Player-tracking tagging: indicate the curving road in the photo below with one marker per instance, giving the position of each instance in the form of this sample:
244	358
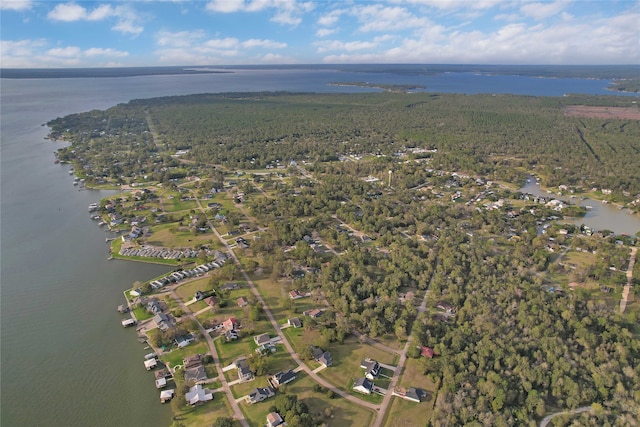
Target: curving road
546	420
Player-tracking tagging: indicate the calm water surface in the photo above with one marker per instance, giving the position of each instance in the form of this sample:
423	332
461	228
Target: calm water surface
600	217
66	361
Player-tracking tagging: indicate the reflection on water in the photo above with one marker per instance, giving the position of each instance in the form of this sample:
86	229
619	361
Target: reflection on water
600	216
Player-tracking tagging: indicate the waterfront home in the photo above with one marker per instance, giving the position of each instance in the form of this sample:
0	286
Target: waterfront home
363	385
166	395
192	361
128	322
163	322
149	364
259	394
198	395
274	419
195	374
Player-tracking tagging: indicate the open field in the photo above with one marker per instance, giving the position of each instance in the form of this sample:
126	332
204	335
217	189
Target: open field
206	414
625	113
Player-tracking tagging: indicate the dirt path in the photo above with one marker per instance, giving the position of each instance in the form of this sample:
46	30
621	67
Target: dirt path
627	288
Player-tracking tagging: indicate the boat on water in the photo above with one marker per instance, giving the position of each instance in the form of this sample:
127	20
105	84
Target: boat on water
93	207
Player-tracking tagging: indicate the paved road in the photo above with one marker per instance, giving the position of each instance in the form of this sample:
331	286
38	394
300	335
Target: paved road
627	288
237	413
400	367
548	418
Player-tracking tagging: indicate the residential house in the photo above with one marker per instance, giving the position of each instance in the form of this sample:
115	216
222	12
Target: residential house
371	368
242	302
162	321
266	349
200	295
295	294
415	394
154	306
295	322
184	340
229	287
192	361
325	359
274	419
283	378
231	335
244	373
259	394
211	301
229	324
363	385
198	395
262	339
315	313
195	374
426	352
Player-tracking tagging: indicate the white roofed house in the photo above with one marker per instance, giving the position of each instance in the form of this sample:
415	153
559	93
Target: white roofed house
363	385
197	395
371	368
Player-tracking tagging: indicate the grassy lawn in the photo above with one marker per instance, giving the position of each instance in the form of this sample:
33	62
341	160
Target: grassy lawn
299	338
141	314
403	413
346	361
579	258
412	376
230	351
342	412
207	413
188	290
175	357
175	236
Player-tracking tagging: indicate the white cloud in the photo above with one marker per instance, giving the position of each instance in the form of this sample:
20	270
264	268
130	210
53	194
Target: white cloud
330	18
125	16
323	32
266	44
180	38
287	12
35	53
337	45
226	6
68	12
542	11
376	17
112	53
15	4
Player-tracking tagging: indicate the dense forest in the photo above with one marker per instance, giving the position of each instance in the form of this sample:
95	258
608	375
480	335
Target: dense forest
499	137
314	169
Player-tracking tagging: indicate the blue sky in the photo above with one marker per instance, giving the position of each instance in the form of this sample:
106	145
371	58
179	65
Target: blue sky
229	32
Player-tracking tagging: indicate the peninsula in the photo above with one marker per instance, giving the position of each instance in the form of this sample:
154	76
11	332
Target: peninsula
368	259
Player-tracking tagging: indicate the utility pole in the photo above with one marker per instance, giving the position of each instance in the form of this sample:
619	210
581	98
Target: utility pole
390	172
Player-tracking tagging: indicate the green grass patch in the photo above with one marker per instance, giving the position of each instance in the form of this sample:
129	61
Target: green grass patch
141	313
174	357
404	413
206	414
347	358
187	290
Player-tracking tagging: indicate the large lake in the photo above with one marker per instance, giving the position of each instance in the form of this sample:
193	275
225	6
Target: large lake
66	361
